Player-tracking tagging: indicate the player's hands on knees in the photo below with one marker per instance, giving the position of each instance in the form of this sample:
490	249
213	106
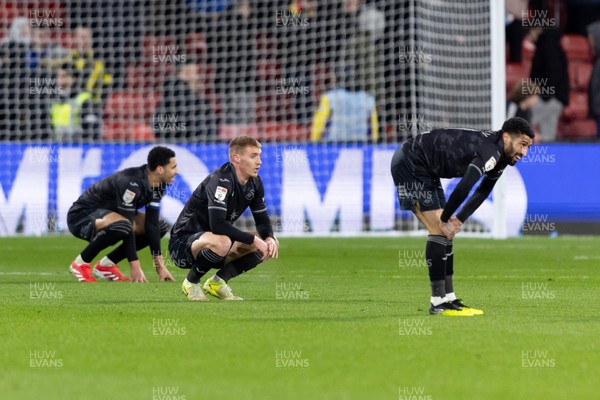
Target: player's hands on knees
273	245
450	228
262	247
137	275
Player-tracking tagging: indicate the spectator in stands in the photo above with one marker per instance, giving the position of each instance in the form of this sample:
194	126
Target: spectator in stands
23	107
549	71
345	114
235	53
361	51
93	76
522	98
514	28
183	111
45	53
72	112
296	30
594	90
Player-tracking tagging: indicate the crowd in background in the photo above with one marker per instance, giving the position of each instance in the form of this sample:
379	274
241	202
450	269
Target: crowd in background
338	58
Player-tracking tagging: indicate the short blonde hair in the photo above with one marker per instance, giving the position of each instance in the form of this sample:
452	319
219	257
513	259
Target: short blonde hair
238	144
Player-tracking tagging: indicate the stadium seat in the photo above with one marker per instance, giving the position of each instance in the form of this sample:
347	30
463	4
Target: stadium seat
578	129
579	75
54	7
229	131
271	131
196	45
127	115
265	45
274	107
8	11
147	75
515	72
578	106
576	47
127	131
277	131
267	72
153	45
130	105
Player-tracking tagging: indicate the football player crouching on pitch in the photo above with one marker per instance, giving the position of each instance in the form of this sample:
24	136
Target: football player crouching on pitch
204	236
107	213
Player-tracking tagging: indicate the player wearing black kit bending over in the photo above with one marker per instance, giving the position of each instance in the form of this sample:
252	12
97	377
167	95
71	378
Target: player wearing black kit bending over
449	153
107	213
204	236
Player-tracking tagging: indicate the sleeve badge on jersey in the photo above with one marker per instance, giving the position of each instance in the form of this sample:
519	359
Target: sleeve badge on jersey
490	164
220	194
128	196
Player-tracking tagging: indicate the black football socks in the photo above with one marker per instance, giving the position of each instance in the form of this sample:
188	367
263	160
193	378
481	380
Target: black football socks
435	254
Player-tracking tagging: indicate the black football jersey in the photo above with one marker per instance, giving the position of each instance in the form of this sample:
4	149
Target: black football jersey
220	190
123	192
447	153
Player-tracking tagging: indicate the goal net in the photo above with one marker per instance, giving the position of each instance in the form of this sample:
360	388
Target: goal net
331	89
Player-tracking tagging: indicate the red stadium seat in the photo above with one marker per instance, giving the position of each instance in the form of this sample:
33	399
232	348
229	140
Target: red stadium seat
265	45
516	72
127	115
579	74
229	131
55	9
267	72
269	131
274	107
8	11
578	106
283	131
131	106
158	46
147	75
576	47
578	129
196	45
129	131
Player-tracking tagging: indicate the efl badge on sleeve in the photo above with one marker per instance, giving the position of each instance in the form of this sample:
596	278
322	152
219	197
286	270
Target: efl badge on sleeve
128	196
490	164
220	194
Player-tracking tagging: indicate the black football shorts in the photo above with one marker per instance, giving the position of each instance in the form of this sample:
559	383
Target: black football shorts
180	249
81	221
414	185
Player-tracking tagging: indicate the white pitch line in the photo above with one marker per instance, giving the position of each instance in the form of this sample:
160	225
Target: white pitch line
584	257
29	273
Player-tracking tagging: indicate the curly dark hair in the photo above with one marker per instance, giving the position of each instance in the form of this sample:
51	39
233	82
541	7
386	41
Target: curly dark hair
518	126
159	156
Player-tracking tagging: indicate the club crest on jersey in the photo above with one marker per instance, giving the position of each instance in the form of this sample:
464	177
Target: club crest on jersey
490	164
250	194
220	194
128	196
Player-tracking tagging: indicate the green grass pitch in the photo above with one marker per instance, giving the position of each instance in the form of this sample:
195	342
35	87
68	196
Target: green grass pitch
331	319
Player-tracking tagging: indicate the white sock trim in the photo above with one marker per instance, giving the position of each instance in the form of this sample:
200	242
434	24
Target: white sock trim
437	300
106	262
